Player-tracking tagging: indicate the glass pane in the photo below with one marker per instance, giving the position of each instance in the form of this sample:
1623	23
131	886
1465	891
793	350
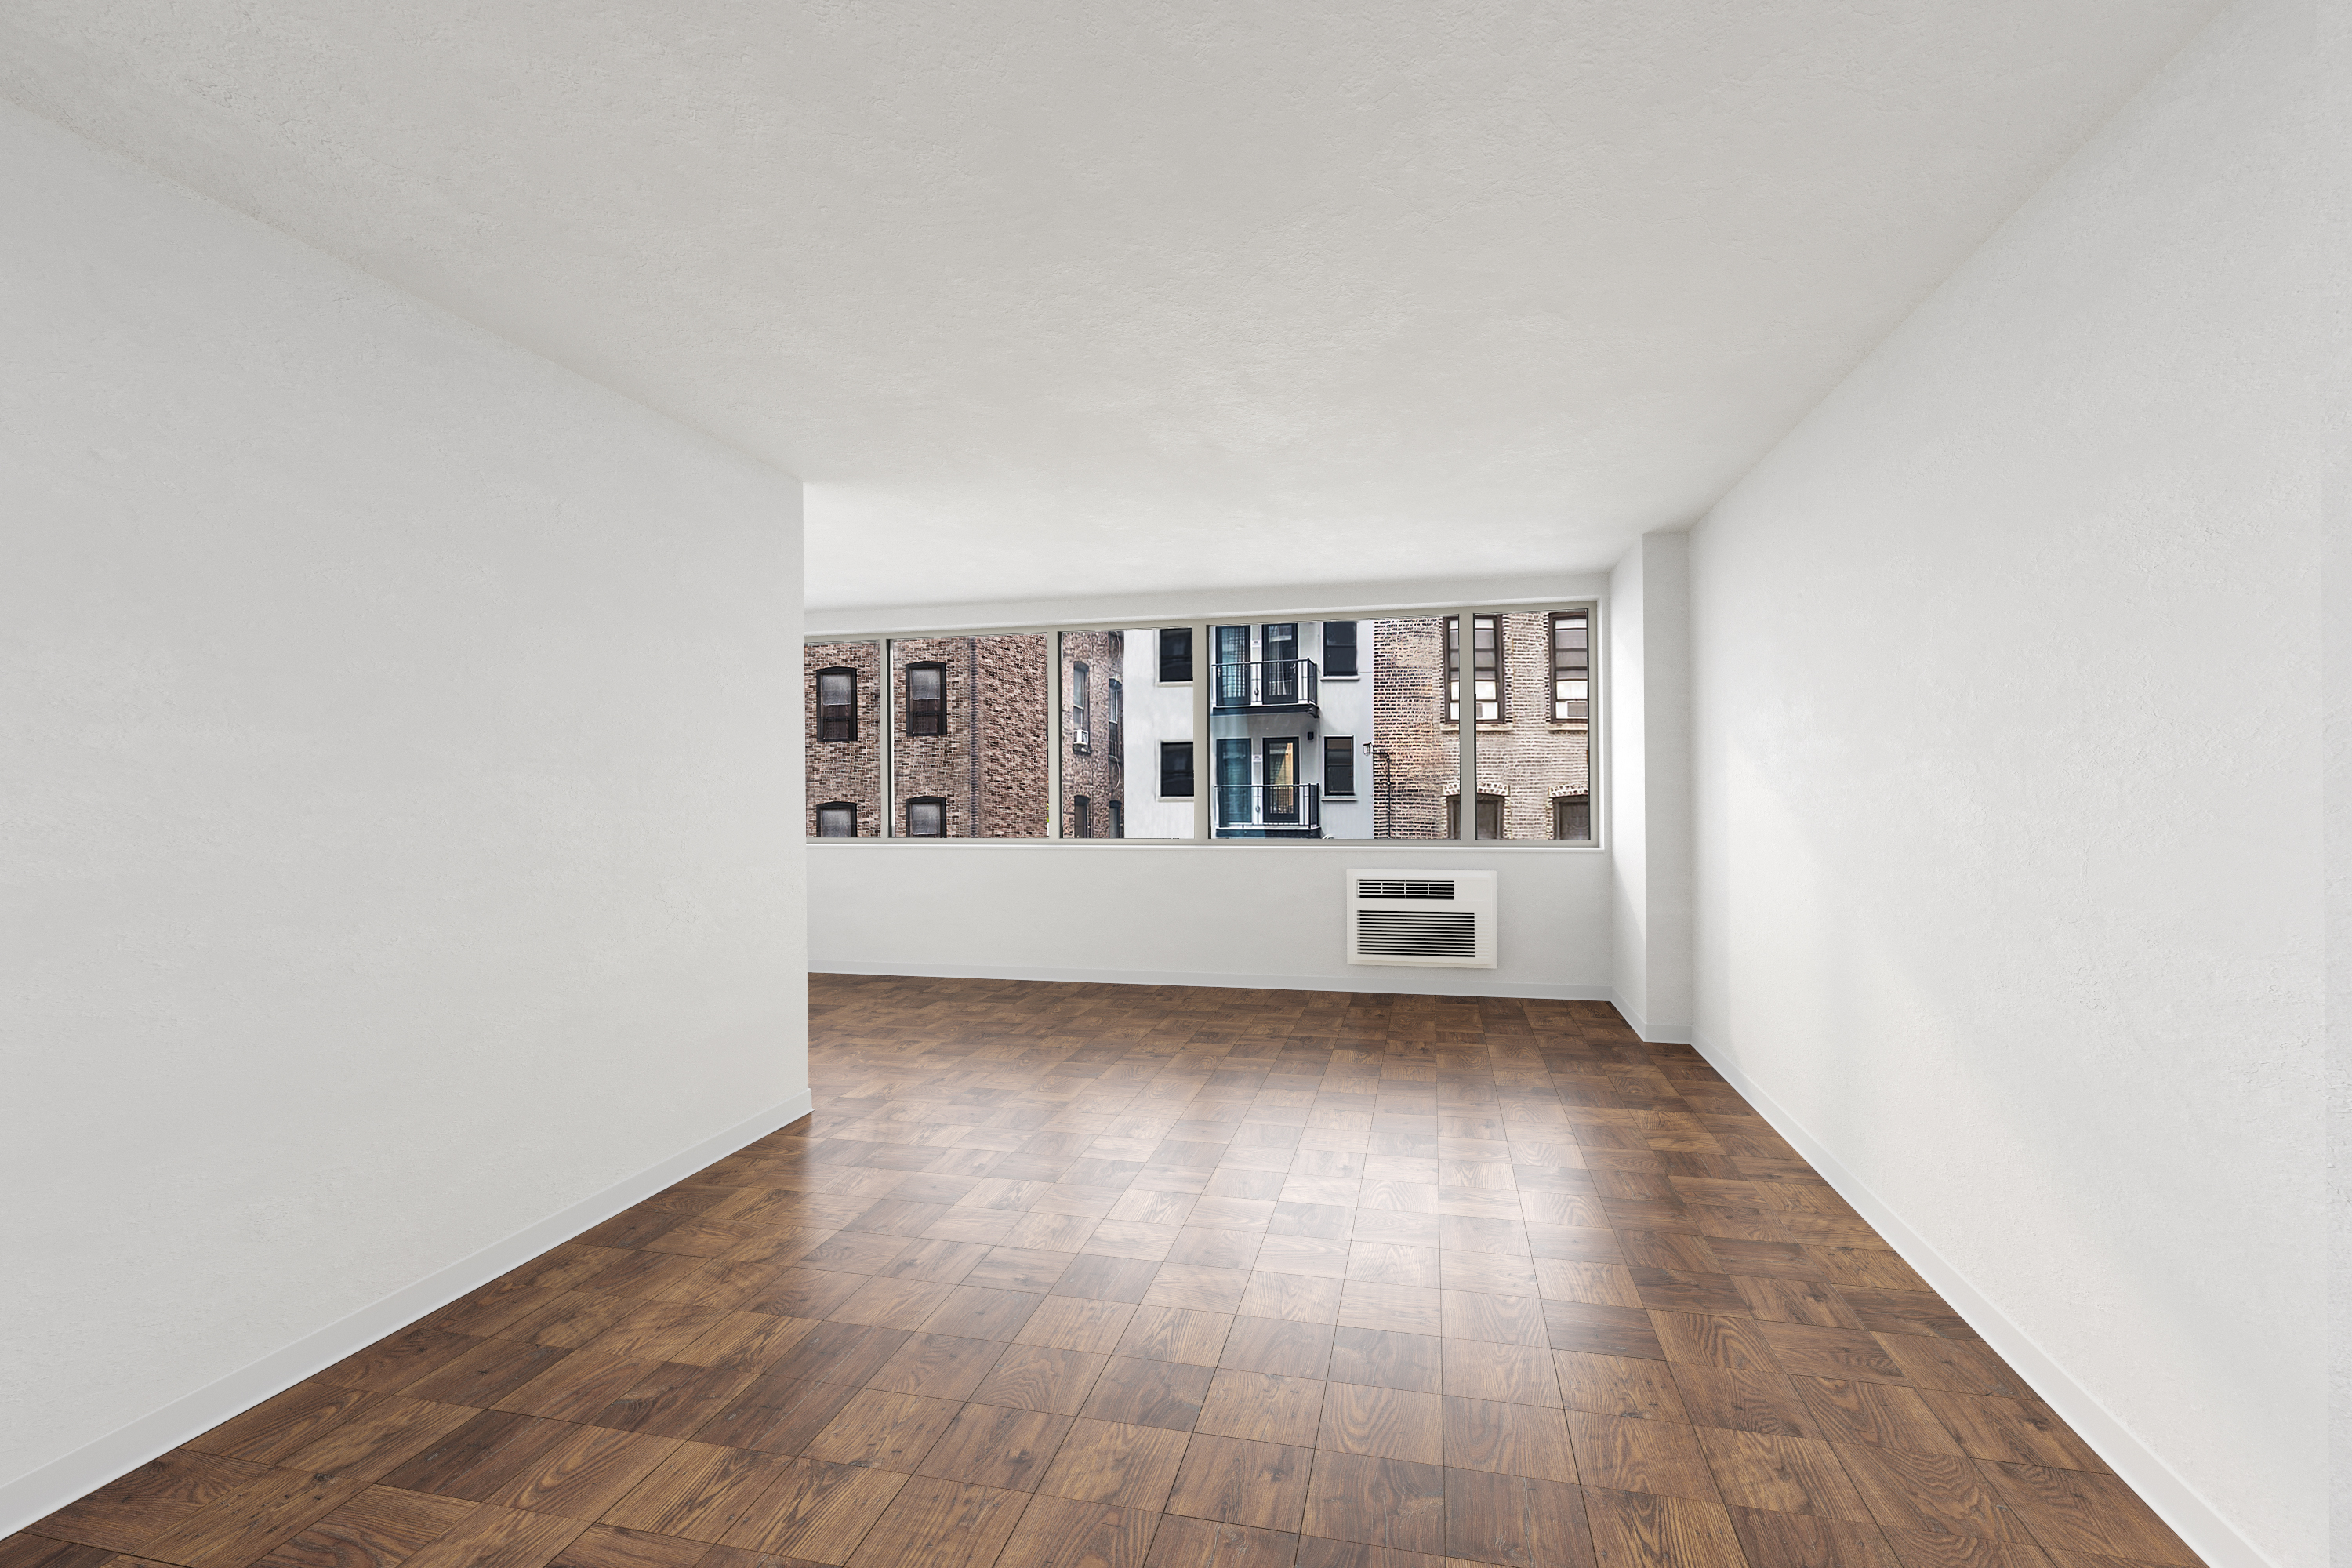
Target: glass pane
985	760
1096	735
1143	735
845	740
1406	753
1534	768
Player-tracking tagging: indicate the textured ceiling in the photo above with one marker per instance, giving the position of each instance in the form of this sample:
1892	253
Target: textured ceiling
1049	299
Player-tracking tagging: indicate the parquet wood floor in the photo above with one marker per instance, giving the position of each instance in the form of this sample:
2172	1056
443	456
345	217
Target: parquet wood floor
1120	1276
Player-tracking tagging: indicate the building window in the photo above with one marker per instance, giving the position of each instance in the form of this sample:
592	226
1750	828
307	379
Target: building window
1571	818
1484	671
1176	654
1118	819
927	817
837	819
1338	766
1572	670
836	705
1176	768
1490	816
1082	719
1082	817
1118	717
927	699
1339	648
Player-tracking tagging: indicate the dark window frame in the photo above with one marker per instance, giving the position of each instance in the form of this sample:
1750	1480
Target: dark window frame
1332	662
1176	652
924	716
1485	799
818	823
1449	706
927	800
1342	746
1561	814
1191	785
1115	721
1118	815
836	721
1082	816
1082	712
1557	703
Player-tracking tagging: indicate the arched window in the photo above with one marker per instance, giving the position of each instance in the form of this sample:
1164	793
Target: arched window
836	705
927	817
927	699
837	819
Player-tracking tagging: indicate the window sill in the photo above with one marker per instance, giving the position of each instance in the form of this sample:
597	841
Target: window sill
1343	678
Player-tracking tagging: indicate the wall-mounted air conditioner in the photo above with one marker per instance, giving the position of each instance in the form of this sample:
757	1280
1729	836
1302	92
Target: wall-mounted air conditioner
1443	920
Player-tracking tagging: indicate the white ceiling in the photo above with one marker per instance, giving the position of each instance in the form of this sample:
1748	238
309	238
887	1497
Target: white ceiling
1046	298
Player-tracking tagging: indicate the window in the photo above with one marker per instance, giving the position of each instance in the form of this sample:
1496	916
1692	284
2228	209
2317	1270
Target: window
1339	765
1176	654
1490	816
927	699
1176	768
1571	669
1339	648
836	705
930	737
1484	672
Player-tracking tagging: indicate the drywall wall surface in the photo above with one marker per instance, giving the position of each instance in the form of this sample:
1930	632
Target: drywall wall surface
2008	763
401	738
1268	915
1647	672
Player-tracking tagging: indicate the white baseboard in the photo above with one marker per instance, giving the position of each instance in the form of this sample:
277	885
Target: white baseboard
1656	1034
1380	978
2194	1520
40	1493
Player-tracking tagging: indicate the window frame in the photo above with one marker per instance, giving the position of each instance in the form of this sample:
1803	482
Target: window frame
1081	708
816	815
1346	743
1202	634
1553	701
940	800
910	716
1355	650
1159	655
1192	766
823	721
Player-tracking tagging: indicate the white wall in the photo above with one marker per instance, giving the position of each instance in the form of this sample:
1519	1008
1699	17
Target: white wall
1647	675
1250	914
2007	717
400	845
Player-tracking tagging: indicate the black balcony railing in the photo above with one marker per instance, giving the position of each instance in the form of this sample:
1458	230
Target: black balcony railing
1269	811
1271	684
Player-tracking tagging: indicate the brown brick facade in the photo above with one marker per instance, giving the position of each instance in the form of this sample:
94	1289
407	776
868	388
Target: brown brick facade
1092	766
1526	758
850	770
993	751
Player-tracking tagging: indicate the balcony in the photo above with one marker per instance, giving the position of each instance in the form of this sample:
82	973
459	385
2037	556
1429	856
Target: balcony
1270	686
1269	811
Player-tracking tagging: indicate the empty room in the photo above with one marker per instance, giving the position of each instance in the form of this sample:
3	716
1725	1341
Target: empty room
889	785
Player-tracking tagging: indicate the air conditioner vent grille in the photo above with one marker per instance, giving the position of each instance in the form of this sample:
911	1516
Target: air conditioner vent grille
1417	933
1405	889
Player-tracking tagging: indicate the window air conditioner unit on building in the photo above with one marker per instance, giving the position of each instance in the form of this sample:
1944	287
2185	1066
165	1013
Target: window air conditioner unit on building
1443	920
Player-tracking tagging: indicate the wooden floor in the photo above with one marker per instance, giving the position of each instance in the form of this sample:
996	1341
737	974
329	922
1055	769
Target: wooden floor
1062	1275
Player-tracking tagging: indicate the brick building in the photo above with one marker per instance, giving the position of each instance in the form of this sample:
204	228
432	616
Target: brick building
1093	741
1535	777
967	751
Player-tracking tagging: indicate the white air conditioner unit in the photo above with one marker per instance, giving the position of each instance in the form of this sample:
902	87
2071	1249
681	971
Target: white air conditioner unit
1443	920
